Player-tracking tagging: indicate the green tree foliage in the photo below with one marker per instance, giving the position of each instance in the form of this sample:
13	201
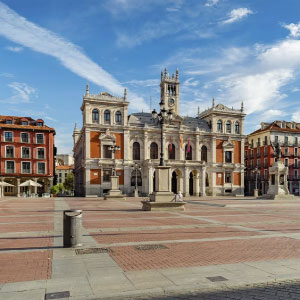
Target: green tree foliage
69	182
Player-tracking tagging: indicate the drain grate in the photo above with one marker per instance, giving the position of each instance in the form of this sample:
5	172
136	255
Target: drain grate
216	278
92	251
57	295
150	247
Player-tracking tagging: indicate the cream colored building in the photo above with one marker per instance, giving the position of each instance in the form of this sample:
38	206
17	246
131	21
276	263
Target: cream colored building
205	153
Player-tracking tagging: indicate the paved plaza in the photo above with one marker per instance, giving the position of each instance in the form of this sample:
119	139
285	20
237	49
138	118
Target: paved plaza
218	248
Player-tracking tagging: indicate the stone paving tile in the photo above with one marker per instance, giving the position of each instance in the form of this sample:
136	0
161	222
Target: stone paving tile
25	266
206	253
169	234
140	222
32	218
115	215
284	228
25	242
26	227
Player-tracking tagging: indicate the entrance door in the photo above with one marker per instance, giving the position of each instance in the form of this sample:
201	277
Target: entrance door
191	184
154	188
174	182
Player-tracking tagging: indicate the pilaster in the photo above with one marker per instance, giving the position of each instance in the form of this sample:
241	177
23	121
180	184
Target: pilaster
197	157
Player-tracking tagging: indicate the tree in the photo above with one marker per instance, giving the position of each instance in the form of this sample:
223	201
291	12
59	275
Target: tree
69	182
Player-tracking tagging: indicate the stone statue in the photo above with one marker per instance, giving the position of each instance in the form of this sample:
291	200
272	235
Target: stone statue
277	151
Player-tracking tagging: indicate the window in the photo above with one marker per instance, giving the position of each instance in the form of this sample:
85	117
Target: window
40	153
258	142
26	167
8	136
228	156
219	126
25	137
25	152
107	117
286	162
204	153
107	153
276	138
188	152
59	175
41	168
39	124
118	117
237	127
258	163
40	138
171	151
266	174
153	151
286	139
8	121
228	127
95	116
9	153
265	162
106	175
136	151
296	152
296	140
252	144
286	151
24	123
295	174
10	167
227	177
266	140
296	163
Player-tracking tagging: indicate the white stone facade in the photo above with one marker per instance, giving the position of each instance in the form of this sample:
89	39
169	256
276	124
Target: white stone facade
206	157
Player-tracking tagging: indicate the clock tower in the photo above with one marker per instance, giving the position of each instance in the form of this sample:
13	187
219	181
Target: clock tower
169	91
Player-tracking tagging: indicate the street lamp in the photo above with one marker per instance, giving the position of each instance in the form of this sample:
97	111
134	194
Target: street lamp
137	168
163	117
114	148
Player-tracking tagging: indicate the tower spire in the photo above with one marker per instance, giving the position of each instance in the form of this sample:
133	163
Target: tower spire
213	102
242	106
166	72
87	90
125	94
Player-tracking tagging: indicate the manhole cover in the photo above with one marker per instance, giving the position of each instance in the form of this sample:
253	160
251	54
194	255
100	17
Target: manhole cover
57	295
92	251
217	278
150	247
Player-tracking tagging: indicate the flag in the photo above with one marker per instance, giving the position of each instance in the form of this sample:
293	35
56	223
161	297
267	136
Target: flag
189	146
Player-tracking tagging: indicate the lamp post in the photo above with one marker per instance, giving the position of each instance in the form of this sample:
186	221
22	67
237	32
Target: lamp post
114	148
163	117
137	168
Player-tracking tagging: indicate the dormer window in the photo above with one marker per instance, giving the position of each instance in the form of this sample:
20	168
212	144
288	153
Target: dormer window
8	121
24	123
39	123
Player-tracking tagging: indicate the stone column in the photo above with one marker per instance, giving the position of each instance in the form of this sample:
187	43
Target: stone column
2	188
181	149
126	145
197	185
146	152
35	187
213	183
213	150
18	187
186	182
197	148
203	182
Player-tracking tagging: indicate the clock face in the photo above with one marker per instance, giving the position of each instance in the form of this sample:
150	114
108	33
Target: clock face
171	101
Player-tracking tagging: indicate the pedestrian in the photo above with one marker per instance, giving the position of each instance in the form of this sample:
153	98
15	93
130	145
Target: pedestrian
178	197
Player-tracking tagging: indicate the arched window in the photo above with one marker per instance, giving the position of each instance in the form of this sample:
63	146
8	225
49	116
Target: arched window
220	126
153	151
107	117
228	127
136	151
118	117
95	116
171	151
136	177
204	153
237	127
188	152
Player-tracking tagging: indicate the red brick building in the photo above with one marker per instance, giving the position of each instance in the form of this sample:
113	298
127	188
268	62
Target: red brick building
26	152
259	155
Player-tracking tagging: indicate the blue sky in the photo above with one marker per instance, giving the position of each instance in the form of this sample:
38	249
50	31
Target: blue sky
227	49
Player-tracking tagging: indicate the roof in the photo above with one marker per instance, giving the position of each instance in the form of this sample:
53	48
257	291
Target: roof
274	127
64	167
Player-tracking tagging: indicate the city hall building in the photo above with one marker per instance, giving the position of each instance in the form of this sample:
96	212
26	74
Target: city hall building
205	152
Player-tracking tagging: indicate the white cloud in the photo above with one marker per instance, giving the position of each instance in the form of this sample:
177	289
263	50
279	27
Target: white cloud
7	75
22	93
14	49
146	83
17	29
211	3
293	28
237	14
296	116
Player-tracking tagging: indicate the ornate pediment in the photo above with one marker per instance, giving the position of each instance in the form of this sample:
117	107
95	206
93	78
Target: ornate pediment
107	136
229	144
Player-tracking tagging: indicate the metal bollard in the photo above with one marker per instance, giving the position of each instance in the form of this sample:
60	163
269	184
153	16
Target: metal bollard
72	228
